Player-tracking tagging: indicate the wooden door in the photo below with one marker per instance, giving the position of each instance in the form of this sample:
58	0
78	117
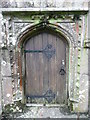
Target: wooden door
45	56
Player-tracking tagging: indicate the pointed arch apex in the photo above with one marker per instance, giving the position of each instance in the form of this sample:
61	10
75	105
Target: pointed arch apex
30	30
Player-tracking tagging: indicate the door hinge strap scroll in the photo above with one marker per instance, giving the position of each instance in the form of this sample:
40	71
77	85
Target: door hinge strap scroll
49	96
48	51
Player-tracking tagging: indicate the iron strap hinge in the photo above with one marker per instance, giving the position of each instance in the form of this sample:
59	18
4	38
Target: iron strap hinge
49	96
33	51
48	51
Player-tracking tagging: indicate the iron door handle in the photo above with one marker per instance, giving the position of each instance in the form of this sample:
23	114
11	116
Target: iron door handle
62	69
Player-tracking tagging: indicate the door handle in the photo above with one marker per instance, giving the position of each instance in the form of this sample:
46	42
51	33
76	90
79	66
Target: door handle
62	69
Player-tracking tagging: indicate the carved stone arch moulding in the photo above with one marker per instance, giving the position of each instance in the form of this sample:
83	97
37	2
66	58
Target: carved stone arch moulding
60	29
30	31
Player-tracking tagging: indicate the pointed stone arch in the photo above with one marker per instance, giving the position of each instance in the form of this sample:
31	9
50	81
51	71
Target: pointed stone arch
58	29
53	27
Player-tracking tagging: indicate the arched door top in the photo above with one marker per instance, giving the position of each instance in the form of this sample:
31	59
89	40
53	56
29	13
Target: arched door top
53	28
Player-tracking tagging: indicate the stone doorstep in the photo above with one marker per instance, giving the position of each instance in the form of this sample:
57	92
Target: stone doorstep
41	105
42	111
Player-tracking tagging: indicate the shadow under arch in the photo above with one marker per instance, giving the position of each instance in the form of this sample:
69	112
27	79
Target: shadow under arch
32	31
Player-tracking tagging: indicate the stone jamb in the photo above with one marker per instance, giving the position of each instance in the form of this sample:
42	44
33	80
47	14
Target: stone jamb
88	46
0	63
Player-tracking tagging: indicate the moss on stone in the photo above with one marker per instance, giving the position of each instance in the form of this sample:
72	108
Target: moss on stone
13	108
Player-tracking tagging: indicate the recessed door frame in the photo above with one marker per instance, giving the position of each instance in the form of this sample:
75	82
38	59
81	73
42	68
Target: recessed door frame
32	32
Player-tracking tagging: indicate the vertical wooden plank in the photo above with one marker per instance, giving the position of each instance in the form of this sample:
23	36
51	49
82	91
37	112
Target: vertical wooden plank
49	62
50	65
45	67
41	64
60	78
58	60
36	65
30	67
26	86
53	66
27	69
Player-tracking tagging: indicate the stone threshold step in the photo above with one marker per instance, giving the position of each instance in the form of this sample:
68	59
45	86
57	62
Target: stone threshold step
48	105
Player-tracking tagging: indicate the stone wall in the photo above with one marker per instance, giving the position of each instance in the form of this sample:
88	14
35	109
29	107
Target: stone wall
0	64
89	54
74	26
62	4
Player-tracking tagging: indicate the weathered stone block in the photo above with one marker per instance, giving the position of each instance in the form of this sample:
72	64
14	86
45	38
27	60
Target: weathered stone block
5	64
7	90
